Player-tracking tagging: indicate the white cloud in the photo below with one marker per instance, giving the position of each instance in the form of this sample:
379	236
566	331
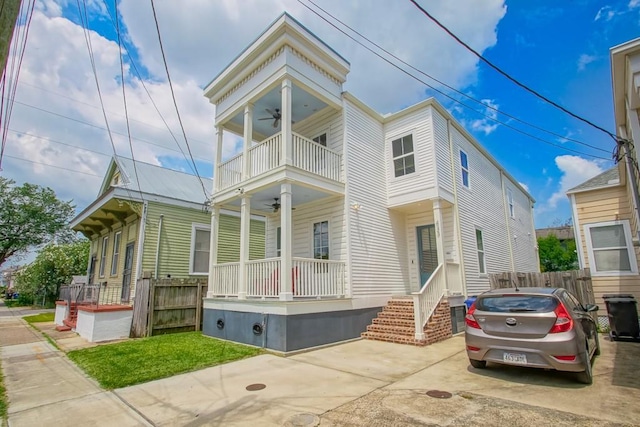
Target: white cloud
606	13
575	170
485	125
585	60
523	185
633	4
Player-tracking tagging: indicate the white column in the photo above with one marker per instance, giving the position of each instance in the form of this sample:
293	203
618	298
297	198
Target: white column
286	263
248	136
245	233
287	146
218	159
213	249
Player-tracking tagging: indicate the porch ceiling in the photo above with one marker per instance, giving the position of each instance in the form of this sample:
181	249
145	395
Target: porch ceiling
105	215
303	105
262	199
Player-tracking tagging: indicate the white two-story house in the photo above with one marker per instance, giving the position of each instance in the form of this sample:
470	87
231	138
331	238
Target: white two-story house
360	207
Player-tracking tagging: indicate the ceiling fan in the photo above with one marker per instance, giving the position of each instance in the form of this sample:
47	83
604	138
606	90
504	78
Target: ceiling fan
275	116
276	205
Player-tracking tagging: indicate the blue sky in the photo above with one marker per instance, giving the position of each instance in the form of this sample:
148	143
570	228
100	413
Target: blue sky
560	49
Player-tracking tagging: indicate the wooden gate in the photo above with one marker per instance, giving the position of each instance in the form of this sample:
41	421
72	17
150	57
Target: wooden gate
167	305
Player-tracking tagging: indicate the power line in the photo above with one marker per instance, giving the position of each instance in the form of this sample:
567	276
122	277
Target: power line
454	89
173	96
449	96
51	166
505	74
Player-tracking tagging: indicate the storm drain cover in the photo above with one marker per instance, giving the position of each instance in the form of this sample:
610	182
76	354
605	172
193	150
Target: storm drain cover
438	394
303	420
255	387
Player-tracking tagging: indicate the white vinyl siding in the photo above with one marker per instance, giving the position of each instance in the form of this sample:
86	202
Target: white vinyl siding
443	159
116	253
103	256
200	244
610	248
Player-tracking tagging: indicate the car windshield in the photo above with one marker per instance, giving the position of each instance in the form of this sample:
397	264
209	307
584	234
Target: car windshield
517	303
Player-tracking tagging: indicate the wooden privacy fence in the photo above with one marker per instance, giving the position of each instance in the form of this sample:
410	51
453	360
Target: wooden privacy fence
167	305
578	282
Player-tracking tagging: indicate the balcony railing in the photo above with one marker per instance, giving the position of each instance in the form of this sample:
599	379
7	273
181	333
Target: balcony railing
310	278
267	155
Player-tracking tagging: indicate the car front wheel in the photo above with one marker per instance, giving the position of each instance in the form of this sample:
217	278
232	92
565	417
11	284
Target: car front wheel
478	364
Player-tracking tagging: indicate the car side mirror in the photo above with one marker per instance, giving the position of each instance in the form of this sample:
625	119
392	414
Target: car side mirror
591	307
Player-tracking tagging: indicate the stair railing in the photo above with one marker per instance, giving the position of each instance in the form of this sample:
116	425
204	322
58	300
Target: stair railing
427	299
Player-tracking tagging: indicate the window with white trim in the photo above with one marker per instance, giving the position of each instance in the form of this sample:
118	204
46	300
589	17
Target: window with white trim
200	244
512	208
464	167
321	240
103	255
482	268
278	241
403	158
610	248
116	253
321	139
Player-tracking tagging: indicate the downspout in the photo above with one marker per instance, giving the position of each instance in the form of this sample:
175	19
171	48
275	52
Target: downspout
576	230
533	231
456	210
506	221
141	234
155	270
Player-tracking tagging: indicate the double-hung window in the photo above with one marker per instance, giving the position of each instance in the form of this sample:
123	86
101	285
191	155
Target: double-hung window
610	248
403	156
278	241
482	268
321	139
464	167
321	240
200	243
512	209
103	255
116	253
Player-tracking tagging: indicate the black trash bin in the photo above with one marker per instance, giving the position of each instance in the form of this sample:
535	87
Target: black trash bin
623	316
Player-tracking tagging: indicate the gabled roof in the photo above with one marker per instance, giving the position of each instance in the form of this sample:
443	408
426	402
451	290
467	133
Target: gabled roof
608	178
156	180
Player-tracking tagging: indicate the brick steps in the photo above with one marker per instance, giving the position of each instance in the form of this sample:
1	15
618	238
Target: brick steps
396	323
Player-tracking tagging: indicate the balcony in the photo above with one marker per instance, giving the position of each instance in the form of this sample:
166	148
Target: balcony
311	279
266	156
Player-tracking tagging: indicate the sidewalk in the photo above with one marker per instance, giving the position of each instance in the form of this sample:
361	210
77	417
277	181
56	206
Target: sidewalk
44	388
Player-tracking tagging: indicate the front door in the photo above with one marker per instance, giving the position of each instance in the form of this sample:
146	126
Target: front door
126	274
427	252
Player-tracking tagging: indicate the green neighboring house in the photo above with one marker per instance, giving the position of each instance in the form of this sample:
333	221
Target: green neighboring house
152	219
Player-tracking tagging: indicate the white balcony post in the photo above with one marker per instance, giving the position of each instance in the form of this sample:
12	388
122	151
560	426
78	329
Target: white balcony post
245	232
218	159
213	249
287	144
286	262
248	137
437	216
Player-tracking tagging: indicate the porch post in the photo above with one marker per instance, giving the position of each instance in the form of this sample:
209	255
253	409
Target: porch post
213	249
286	123
245	232
218	159
286	263
248	136
437	216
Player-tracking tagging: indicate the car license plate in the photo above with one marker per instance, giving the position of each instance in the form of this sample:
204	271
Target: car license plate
515	358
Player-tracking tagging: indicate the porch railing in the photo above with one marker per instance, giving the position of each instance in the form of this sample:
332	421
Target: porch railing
427	299
311	278
93	295
267	155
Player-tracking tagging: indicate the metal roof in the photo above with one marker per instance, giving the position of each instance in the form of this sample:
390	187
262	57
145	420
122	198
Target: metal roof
153	179
607	178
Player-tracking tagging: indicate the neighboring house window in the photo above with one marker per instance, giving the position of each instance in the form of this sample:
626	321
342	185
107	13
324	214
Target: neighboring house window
610	247
278	241
464	166
403	159
200	243
103	256
482	268
321	139
116	253
321	240
512	209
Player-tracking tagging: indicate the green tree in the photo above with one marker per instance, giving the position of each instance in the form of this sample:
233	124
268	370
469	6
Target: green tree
53	267
556	255
30	216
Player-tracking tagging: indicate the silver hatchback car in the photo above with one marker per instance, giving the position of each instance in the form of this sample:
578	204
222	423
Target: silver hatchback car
535	327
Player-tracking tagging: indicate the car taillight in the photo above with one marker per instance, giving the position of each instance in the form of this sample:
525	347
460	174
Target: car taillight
564	322
469	319
472	348
566	358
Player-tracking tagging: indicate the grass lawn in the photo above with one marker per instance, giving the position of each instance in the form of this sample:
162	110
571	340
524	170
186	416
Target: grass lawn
146	359
39	318
3	401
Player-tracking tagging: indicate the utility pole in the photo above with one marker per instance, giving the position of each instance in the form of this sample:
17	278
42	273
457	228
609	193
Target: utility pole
632	175
9	10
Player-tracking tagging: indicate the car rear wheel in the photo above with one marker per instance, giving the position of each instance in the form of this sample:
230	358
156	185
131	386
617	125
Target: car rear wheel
478	364
586	376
